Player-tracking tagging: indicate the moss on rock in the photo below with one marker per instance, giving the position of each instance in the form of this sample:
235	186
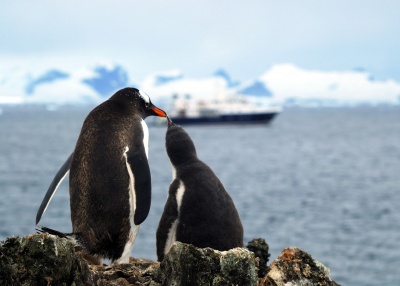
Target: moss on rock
44	259
41	260
185	264
260	248
298	268
137	272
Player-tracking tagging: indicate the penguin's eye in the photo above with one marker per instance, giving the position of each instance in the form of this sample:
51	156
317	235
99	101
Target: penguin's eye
147	104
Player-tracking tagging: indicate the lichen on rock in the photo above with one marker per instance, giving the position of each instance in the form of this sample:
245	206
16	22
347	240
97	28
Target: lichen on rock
41	260
136	272
185	264
296	267
260	248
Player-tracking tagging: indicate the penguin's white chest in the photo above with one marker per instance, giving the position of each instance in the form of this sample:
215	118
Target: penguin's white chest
132	193
131	184
145	137
132	196
172	231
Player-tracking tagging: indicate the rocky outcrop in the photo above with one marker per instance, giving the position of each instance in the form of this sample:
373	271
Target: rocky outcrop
43	259
187	265
260	248
137	272
295	267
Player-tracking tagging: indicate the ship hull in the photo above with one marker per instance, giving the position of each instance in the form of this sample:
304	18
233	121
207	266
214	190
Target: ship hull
251	118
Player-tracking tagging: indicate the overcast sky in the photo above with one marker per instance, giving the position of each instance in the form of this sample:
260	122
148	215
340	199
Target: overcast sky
198	37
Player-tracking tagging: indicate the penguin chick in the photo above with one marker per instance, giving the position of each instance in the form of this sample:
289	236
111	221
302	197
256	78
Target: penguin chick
198	210
110	182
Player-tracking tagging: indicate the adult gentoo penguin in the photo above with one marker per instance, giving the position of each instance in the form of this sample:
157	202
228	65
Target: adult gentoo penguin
110	182
198	210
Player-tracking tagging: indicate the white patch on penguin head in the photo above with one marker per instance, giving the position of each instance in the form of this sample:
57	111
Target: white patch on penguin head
145	97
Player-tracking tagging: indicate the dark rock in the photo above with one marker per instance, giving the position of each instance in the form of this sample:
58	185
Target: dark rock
42	260
137	272
185	264
295	267
260	249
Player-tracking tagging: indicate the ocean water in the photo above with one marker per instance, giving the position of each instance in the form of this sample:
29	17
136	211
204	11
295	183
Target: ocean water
324	180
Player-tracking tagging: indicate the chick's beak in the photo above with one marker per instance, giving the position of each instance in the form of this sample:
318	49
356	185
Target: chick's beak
169	121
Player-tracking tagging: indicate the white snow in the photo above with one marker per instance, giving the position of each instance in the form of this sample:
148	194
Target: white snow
287	82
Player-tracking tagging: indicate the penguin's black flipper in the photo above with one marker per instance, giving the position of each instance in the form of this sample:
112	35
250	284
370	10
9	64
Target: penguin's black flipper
72	237
53	187
140	169
43	229
169	216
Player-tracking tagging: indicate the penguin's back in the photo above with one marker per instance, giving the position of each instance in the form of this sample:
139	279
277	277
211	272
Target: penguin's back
198	210
99	180
207	214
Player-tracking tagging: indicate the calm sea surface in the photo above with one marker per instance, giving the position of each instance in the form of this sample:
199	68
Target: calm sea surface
324	180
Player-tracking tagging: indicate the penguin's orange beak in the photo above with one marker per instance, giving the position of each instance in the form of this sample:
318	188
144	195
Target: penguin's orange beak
159	112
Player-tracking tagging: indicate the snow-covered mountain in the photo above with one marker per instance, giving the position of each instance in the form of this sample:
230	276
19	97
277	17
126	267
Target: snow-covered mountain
283	84
92	84
286	85
295	86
